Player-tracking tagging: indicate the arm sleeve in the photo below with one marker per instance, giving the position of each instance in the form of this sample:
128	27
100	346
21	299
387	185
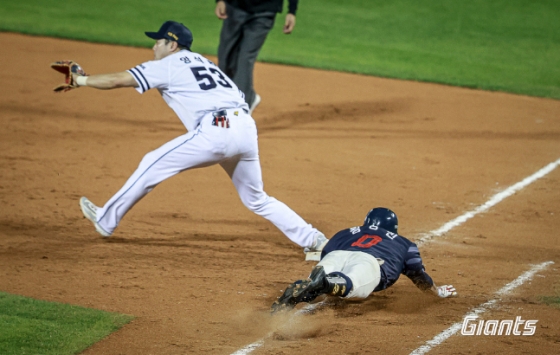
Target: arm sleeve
152	74
414	269
292	6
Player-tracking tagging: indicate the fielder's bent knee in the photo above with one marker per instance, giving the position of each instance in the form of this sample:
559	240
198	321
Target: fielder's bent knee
255	204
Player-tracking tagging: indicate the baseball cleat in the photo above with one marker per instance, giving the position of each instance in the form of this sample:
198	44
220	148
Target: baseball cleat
302	291
255	103
90	212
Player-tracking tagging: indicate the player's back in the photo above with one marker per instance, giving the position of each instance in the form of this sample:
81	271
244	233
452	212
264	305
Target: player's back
392	248
190	84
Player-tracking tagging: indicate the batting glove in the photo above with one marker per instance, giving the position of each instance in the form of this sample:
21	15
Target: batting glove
446	291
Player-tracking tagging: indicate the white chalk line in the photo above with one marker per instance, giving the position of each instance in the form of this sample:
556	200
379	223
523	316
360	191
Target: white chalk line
491	202
443	336
439	232
249	348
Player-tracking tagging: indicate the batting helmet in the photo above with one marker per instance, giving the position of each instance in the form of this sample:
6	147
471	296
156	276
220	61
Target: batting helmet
383	218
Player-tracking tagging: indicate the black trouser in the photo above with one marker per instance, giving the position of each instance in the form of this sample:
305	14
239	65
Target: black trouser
242	37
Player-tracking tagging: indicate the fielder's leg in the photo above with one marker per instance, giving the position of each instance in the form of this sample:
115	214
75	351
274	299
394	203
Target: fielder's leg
191	150
247	177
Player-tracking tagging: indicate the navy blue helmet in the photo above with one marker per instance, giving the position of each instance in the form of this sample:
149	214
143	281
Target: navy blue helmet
382	217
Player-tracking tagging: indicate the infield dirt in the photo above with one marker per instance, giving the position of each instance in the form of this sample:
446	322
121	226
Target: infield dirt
199	271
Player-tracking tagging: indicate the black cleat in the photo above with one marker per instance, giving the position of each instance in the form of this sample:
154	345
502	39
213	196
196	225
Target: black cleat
302	290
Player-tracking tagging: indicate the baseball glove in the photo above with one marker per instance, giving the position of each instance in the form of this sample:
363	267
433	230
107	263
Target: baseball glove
67	67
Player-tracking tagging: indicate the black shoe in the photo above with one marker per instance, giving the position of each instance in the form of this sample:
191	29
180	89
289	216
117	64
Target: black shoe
302	290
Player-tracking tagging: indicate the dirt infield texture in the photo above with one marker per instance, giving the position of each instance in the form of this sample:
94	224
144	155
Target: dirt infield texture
199	271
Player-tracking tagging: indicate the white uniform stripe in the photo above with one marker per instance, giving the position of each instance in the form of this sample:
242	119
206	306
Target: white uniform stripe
140	79
413	261
143	77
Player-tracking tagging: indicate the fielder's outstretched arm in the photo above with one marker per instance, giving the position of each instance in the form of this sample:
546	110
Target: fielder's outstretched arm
107	81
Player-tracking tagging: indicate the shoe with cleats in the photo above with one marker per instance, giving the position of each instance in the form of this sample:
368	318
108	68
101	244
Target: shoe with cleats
302	290
90	212
316	284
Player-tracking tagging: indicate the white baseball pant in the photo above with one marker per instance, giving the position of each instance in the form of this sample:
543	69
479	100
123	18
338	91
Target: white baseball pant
235	149
362	268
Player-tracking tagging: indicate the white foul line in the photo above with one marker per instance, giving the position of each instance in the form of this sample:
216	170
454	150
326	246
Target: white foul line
442	230
491	202
249	348
443	336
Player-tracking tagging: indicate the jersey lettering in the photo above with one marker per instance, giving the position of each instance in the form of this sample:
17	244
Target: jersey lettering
185	60
391	235
206	81
202	77
364	243
355	230
222	80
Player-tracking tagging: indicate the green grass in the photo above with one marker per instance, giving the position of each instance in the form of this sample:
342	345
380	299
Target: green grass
551	301
29	326
505	45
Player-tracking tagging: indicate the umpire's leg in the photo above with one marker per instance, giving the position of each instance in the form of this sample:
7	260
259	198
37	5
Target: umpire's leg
230	39
255	30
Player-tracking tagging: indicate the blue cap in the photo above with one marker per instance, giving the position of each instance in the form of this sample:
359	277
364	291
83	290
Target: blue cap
173	31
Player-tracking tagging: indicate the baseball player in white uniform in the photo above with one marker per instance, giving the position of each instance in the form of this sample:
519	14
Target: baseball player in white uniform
220	131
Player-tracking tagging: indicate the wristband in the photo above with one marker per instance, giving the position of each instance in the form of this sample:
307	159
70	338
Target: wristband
81	80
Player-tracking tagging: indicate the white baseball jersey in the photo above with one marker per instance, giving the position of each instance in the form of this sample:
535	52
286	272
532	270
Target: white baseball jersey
220	131
190	84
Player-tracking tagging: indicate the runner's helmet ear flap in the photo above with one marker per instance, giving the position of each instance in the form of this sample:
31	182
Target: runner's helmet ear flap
383	218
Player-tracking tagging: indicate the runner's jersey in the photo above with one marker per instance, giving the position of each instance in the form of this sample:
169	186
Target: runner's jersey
400	255
190	84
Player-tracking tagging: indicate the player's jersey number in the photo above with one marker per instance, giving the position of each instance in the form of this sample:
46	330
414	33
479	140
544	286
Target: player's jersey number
367	241
206	81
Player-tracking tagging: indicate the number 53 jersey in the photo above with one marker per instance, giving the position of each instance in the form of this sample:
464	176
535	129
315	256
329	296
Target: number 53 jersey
190	84
399	255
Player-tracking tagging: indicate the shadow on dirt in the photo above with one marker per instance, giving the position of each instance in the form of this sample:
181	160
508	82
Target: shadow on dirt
344	112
